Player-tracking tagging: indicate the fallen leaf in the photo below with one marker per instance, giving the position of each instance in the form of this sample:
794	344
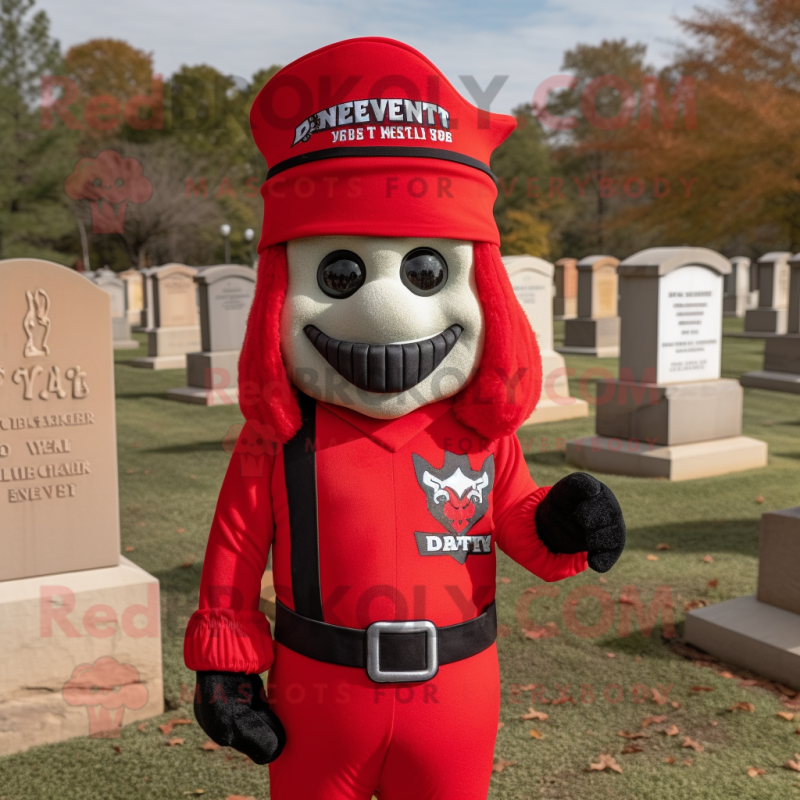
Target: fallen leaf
498	766
625	600
187	564
142	524
605	761
147	472
535	734
754	772
180	530
505	580
631	748
173	742
786	690
212	746
786	715
742	707
712	584
611	655
626	735
692	604
672	730
692	743
545	632
651	557
117	749
193	477
663	547
167	727
793	764
602	580
702	688
657	697
653	720
129	471
534	714
687	762
129	549
726	674
708	559
760	499
669	760
503	631
134	444
142	727
675	704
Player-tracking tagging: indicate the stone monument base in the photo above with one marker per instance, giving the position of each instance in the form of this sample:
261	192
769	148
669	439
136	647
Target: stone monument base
774	381
549	411
212	379
45	640
592	337
750	634
680	462
167	347
766	320
158	362
669	414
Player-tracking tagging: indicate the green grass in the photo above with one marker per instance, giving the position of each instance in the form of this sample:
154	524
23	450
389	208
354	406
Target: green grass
171	464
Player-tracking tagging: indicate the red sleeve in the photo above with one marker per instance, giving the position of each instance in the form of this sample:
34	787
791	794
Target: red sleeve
515	499
228	632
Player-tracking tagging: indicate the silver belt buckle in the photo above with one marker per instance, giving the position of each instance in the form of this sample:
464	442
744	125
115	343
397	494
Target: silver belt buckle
374	632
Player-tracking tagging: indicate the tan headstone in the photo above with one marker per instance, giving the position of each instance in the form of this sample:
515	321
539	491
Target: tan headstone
532	281
771	316
175	297
58	455
133	282
565	302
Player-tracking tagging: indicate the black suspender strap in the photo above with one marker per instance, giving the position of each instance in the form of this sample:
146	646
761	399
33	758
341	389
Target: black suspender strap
300	472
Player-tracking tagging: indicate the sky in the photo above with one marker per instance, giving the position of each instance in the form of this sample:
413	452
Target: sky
523	40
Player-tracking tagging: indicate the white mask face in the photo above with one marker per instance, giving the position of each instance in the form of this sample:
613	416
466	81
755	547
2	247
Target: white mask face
382	326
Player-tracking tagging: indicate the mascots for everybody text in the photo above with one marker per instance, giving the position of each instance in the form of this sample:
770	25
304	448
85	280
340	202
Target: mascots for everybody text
385	370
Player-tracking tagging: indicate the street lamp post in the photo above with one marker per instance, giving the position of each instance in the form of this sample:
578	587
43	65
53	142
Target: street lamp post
248	237
225	230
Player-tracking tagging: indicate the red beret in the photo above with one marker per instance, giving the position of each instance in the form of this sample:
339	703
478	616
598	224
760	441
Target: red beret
367	137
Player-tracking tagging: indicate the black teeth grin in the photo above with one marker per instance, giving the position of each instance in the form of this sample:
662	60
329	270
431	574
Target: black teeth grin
384	367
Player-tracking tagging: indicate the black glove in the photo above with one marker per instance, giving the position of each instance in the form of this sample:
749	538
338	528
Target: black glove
232	709
580	513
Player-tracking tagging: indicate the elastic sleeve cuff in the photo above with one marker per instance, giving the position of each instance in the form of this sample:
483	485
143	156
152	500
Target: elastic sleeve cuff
222	640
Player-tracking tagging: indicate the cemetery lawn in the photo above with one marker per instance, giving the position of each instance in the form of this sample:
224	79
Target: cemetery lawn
171	464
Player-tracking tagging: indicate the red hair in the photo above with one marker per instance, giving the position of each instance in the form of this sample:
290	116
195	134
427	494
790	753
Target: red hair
500	397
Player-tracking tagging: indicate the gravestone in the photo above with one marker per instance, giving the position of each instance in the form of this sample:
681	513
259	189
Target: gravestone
595	330
532	281
135	295
770	318
781	371
226	294
565	300
738	297
669	414
116	289
67	598
760	632
171	300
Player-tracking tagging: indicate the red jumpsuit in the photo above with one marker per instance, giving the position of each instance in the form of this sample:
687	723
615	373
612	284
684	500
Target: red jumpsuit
409	513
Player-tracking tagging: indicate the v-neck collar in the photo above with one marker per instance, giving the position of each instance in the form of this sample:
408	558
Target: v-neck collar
392	434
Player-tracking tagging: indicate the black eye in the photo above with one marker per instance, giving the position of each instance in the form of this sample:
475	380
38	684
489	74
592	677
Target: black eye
341	274
424	271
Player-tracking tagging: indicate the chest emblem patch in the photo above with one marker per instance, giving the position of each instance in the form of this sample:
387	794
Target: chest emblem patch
457	497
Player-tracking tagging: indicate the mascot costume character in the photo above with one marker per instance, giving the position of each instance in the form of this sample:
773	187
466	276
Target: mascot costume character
385	369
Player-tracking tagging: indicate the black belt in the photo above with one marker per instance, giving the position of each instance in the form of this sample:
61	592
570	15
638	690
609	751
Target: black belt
391	652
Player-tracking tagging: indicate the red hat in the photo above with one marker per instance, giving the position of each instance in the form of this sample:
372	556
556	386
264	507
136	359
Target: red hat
367	137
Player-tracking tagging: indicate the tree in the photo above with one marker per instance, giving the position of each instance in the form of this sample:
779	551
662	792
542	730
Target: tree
739	164
34	215
522	167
